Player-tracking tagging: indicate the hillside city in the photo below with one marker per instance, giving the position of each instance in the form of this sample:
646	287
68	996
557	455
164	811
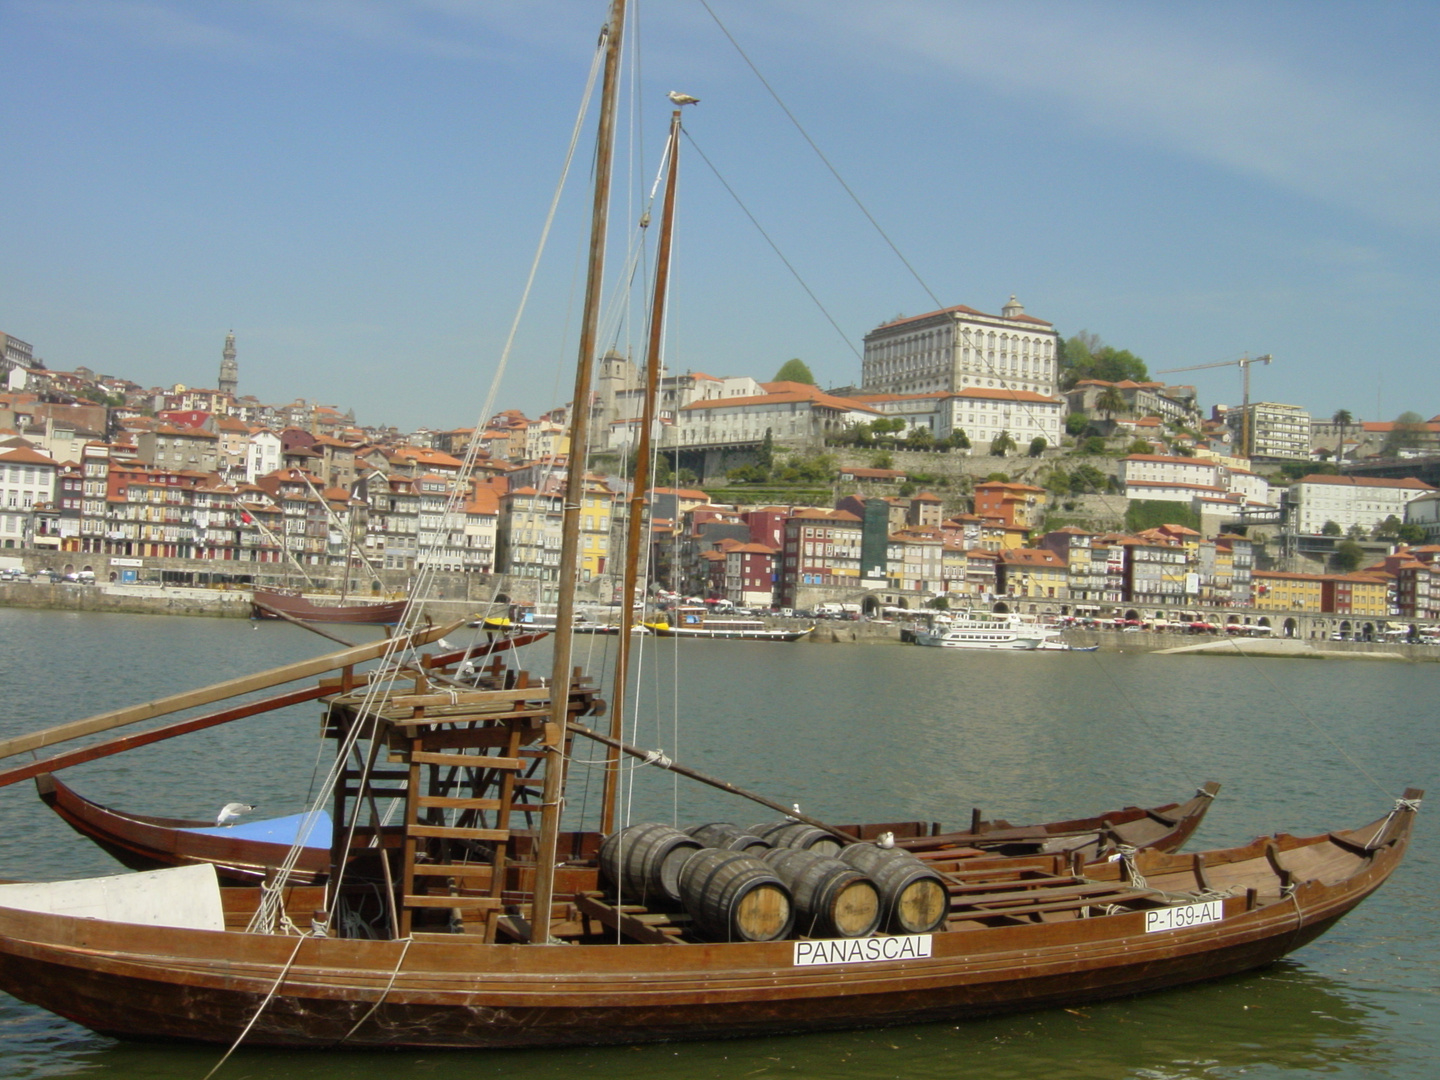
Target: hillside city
981	460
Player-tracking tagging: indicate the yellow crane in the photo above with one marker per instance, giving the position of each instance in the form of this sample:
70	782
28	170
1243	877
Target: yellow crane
1243	363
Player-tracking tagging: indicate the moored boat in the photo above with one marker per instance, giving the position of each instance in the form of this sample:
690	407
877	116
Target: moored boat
696	622
273	604
991	631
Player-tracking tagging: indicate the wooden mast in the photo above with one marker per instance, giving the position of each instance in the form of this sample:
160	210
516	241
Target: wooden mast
640	485
561	674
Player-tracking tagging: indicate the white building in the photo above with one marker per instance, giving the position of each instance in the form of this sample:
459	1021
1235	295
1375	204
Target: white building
790	412
262	456
1350	500
958	348
27	480
983	414
1276	431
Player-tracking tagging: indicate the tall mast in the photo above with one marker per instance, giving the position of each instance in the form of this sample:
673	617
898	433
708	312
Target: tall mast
640	484
561	675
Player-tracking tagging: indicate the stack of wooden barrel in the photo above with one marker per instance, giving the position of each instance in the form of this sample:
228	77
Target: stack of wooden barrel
773	881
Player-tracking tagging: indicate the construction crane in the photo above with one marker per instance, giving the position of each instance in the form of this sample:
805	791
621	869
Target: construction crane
1244	365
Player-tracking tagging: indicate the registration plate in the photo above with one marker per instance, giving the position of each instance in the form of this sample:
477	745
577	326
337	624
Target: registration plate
1184	915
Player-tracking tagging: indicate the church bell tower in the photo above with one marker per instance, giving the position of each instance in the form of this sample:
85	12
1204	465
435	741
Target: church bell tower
229	370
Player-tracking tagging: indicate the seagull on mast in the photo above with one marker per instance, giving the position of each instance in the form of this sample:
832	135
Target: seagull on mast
230	811
682	99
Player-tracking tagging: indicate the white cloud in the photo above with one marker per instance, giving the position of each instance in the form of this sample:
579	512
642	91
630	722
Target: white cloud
1153	76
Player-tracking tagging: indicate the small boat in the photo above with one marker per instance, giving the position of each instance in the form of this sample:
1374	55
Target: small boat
243	853
986	630
275	604
697	622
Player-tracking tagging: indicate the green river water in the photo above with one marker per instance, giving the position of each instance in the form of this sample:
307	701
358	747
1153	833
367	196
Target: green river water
850	733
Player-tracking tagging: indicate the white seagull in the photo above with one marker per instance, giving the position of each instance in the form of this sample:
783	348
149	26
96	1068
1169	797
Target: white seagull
232	810
682	99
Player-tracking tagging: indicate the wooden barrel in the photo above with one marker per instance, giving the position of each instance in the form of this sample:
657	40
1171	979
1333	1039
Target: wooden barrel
913	897
832	898
722	834
735	897
796	834
644	861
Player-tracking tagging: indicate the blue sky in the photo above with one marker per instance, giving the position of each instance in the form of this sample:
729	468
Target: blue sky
357	188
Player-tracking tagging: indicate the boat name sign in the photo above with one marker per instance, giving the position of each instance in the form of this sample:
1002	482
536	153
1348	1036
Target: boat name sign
1183	915
862	950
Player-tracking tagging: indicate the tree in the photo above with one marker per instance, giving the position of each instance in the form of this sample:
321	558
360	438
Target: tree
882	460
1407	433
1087	480
1389	529
958	440
1057	481
1342	419
1140	446
1356	532
921	438
1331	528
766	457
795	370
1002	444
1095	444
1348	556
1085	356
1411	534
1076	423
1037	445
1111	401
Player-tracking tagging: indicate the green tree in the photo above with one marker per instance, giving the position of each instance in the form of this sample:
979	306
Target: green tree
1037	445
1076	423
958	440
921	438
907	489
1348	556
795	370
1002	444
1389	529
1057	481
1111	401
1331	528
766	457
1085	356
1342	419
1356	532
1087	480
1407	433
1411	534
882	460
1095	445
1140	446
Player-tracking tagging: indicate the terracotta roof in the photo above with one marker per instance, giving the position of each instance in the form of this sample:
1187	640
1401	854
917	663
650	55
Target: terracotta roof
1366	481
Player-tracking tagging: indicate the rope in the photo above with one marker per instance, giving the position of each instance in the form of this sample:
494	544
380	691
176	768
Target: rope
383	993
279	979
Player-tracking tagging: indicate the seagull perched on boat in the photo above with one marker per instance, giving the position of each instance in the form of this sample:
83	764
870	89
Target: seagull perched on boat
885	840
682	99
232	810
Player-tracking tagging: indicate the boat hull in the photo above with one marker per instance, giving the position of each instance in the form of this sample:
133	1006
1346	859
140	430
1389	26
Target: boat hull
267	603
446	991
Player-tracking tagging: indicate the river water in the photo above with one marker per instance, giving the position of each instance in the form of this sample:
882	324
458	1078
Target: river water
849	733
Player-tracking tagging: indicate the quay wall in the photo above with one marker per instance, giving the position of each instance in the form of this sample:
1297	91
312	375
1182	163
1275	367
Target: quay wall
235	603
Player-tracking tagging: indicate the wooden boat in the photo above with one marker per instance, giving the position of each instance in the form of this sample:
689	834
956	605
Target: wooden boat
244	853
274	604
474	920
241	854
1038	935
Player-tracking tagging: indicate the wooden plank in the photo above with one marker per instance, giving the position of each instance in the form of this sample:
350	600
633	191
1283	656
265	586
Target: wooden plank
121	743
190	699
478	761
485	903
446	832
452	802
969	914
470	871
627	924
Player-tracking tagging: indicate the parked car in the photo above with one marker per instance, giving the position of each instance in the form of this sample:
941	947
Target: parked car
10	574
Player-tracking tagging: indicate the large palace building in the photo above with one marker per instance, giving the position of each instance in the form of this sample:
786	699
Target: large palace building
958	348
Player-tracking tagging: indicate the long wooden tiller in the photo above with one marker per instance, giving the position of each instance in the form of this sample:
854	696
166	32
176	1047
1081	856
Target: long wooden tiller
302	669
